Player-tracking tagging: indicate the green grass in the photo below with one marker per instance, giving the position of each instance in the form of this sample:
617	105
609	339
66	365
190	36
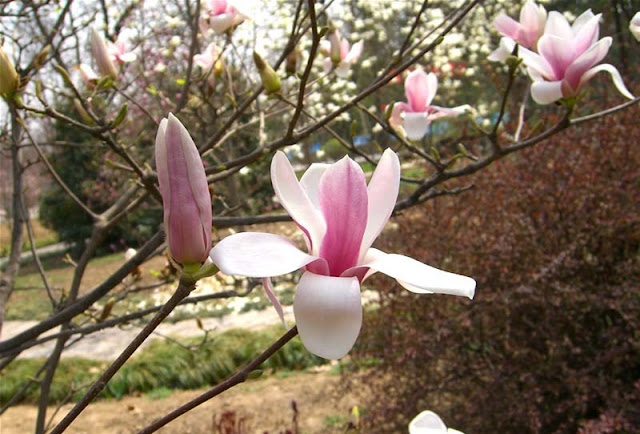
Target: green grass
163	366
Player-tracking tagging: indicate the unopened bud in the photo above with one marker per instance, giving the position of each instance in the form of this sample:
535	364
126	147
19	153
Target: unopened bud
41	58
82	112
291	65
9	79
270	79
101	55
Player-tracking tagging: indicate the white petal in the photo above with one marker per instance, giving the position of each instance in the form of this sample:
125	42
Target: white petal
416	125
536	62
256	254
294	199
427	422
615	76
420	278
546	92
343	69
310	181
221	23
383	193
328	314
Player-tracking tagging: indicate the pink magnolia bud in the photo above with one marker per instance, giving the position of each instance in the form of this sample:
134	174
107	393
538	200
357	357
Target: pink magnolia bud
185	193
102	56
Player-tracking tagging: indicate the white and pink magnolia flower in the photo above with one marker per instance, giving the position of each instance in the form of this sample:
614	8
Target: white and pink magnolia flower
416	114
88	75
340	217
526	32
119	51
634	26
207	60
222	15
427	422
504	50
185	193
340	54
566	58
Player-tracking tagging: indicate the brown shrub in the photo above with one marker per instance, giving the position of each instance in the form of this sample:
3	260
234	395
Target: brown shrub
551	341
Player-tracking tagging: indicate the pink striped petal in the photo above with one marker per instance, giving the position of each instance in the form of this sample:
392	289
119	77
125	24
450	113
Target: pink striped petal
615	76
344	203
382	192
310	181
586	61
257	254
328	314
294	199
556	52
536	63
416	87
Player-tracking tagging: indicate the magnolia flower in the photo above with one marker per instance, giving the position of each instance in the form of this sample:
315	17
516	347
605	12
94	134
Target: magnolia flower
340	217
222	15
567	58
528	30
416	115
210	62
428	422
185	193
9	79
634	26
503	51
102	56
341	54
118	52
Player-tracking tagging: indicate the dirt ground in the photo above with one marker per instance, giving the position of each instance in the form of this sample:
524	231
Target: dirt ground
262	405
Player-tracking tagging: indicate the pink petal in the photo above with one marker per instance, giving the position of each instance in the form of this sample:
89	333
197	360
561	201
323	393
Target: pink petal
557	25
268	289
416	125
416	87
583	19
615	76
536	62
396	119
557	53
507	26
382	192
586	34
587	60
328	314
294	199
419	277
344	203
546	92
257	254
532	19
427	422
344	49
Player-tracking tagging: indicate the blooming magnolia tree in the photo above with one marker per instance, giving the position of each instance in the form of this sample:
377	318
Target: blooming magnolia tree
184	100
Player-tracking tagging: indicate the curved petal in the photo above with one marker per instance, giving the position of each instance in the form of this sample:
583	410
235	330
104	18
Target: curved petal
582	20
268	289
507	26
396	119
294	199
344	203
587	60
503	51
615	76
416	87
427	422
128	57
546	92
418	277
416	125
257	254
328	314
383	192
557	54
343	69
586	33
310	181
355	52
536	62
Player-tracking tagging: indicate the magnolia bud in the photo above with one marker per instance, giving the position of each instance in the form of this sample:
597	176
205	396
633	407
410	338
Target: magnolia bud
335	40
101	55
270	79
291	65
185	194
9	79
